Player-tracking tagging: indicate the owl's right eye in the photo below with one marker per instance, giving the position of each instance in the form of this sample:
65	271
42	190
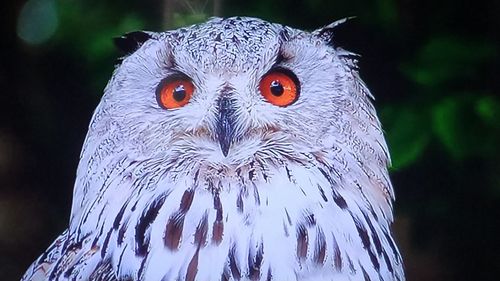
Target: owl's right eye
174	92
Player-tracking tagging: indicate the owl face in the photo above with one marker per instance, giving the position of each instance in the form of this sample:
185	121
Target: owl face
229	91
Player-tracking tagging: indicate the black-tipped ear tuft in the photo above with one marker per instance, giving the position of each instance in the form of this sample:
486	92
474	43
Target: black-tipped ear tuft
130	42
327	33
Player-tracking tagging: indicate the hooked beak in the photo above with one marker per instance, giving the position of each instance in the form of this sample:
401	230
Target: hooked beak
225	128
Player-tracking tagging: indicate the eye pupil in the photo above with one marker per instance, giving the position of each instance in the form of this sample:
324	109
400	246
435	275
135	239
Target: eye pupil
179	93
276	88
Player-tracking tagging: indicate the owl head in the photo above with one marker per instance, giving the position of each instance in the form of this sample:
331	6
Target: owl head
229	91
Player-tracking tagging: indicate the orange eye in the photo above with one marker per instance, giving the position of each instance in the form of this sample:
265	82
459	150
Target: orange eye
174	92
280	87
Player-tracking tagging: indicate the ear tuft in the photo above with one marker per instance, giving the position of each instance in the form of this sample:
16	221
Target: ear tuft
327	33
130	42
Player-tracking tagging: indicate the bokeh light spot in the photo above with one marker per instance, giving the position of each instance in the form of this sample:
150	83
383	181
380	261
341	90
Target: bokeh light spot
37	21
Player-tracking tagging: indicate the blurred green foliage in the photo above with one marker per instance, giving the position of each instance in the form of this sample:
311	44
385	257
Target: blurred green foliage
431	64
463	118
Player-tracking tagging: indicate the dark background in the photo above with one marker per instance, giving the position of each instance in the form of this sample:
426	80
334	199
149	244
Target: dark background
432	65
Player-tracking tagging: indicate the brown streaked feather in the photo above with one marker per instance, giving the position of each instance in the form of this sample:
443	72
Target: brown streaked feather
218	225
302	241
173	231
192	268
200	236
320	247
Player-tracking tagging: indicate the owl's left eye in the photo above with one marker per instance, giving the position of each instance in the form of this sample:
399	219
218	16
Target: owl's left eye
174	91
280	87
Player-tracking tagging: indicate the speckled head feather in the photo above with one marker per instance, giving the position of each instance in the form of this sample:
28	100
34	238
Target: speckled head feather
229	185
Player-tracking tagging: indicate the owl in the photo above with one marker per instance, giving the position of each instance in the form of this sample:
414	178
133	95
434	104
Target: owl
235	149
